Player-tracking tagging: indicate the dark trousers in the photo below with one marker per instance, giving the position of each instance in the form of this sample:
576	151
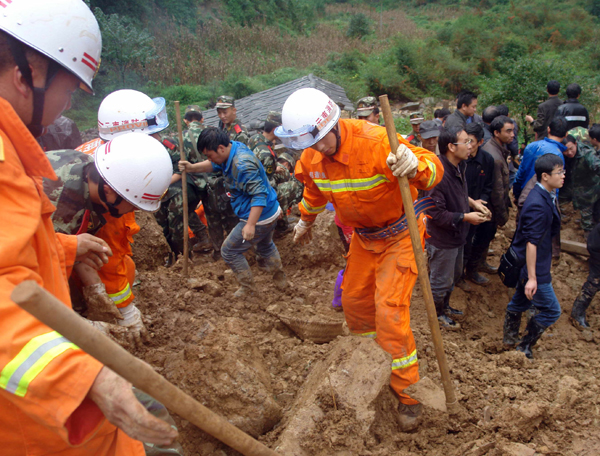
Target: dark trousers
478	243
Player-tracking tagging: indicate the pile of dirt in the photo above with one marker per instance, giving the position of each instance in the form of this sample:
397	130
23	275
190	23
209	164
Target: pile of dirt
238	358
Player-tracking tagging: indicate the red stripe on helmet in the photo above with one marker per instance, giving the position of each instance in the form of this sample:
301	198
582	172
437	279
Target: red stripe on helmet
107	148
93	67
90	58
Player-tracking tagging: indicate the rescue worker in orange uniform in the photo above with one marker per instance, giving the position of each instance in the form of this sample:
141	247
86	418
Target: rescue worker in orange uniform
110	288
349	163
54	398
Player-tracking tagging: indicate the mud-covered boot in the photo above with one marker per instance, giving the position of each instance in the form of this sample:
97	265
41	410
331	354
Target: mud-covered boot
512	322
578	312
202	243
450	310
410	416
171	259
246	282
444	320
534	332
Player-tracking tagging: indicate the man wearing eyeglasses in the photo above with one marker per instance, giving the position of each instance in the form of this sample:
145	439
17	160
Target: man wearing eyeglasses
449	222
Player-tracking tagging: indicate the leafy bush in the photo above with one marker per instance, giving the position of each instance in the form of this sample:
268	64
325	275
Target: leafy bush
360	26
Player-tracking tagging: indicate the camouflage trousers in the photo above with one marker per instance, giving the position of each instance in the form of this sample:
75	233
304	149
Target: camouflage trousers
159	411
220	223
590	213
170	218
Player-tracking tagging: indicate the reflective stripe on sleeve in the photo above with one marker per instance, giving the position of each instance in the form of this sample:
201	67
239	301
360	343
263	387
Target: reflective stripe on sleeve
350	185
402	363
431	166
31	360
121	296
310	209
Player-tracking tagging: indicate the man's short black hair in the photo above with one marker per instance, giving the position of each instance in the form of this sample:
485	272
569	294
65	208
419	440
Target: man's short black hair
211	138
498	123
559	127
502	110
489	114
465	98
594	132
546	164
475	129
553	87
193	116
269	126
441	113
573	90
448	136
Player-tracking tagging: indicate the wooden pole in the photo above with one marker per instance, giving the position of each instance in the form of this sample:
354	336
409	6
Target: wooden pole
415	238
53	313
184	189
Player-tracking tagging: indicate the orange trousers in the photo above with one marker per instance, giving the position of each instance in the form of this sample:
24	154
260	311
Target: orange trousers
378	283
200	212
119	273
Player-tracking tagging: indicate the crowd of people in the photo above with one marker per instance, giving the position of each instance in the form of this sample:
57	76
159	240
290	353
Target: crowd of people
68	219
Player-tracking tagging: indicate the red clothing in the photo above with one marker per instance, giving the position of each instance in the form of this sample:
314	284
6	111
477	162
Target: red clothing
44	378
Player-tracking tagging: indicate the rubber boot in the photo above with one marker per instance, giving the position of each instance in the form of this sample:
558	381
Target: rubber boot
170	260
534	332
203	242
450	310
273	264
476	278
246	282
444	320
578	312
512	323
410	416
336	303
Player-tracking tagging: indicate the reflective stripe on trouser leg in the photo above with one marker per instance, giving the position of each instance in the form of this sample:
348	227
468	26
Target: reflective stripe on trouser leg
118	281
382	274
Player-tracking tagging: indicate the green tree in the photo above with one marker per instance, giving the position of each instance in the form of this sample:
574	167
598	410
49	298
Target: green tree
124	45
359	27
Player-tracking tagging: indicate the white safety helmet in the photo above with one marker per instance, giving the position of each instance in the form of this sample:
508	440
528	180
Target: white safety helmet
65	31
137	167
128	110
307	116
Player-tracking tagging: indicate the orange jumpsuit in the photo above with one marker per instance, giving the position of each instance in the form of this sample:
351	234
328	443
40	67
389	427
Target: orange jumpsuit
381	273
119	273
44	378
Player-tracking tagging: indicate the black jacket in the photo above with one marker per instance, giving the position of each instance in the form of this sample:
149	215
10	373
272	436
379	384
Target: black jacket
456	119
446	226
545	114
575	113
480	175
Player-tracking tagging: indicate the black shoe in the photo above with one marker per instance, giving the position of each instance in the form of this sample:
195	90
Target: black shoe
452	311
448	323
201	244
170	260
512	322
464	285
488	268
578	312
534	332
477	278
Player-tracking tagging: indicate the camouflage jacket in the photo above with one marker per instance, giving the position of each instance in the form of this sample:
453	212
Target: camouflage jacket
70	193
236	131
585	175
263	150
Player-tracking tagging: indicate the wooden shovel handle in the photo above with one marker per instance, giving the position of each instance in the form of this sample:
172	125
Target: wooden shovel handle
53	313
415	238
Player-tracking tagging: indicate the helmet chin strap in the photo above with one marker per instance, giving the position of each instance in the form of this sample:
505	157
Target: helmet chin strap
112	207
39	93
338	138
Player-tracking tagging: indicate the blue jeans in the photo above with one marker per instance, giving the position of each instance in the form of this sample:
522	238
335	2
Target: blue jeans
233	248
446	268
543	300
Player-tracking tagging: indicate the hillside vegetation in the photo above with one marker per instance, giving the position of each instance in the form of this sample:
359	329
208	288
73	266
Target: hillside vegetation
193	51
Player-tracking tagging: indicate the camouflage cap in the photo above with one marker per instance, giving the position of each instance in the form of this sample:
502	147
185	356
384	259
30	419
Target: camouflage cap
193	108
286	158
365	106
225	101
580	134
274	117
416	117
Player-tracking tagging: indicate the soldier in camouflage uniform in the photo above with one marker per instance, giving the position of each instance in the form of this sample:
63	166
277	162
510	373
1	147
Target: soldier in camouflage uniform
229	122
584	177
170	214
367	109
289	189
416	119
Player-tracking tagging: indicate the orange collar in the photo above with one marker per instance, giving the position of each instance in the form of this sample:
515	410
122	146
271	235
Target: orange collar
28	150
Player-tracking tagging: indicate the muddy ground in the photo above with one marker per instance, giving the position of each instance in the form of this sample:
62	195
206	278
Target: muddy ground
239	359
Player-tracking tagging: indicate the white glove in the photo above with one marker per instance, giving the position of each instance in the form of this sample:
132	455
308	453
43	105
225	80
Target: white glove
115	332
302	232
132	320
99	305
403	163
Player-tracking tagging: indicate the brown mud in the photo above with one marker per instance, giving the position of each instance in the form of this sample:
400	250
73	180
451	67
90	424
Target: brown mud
238	358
